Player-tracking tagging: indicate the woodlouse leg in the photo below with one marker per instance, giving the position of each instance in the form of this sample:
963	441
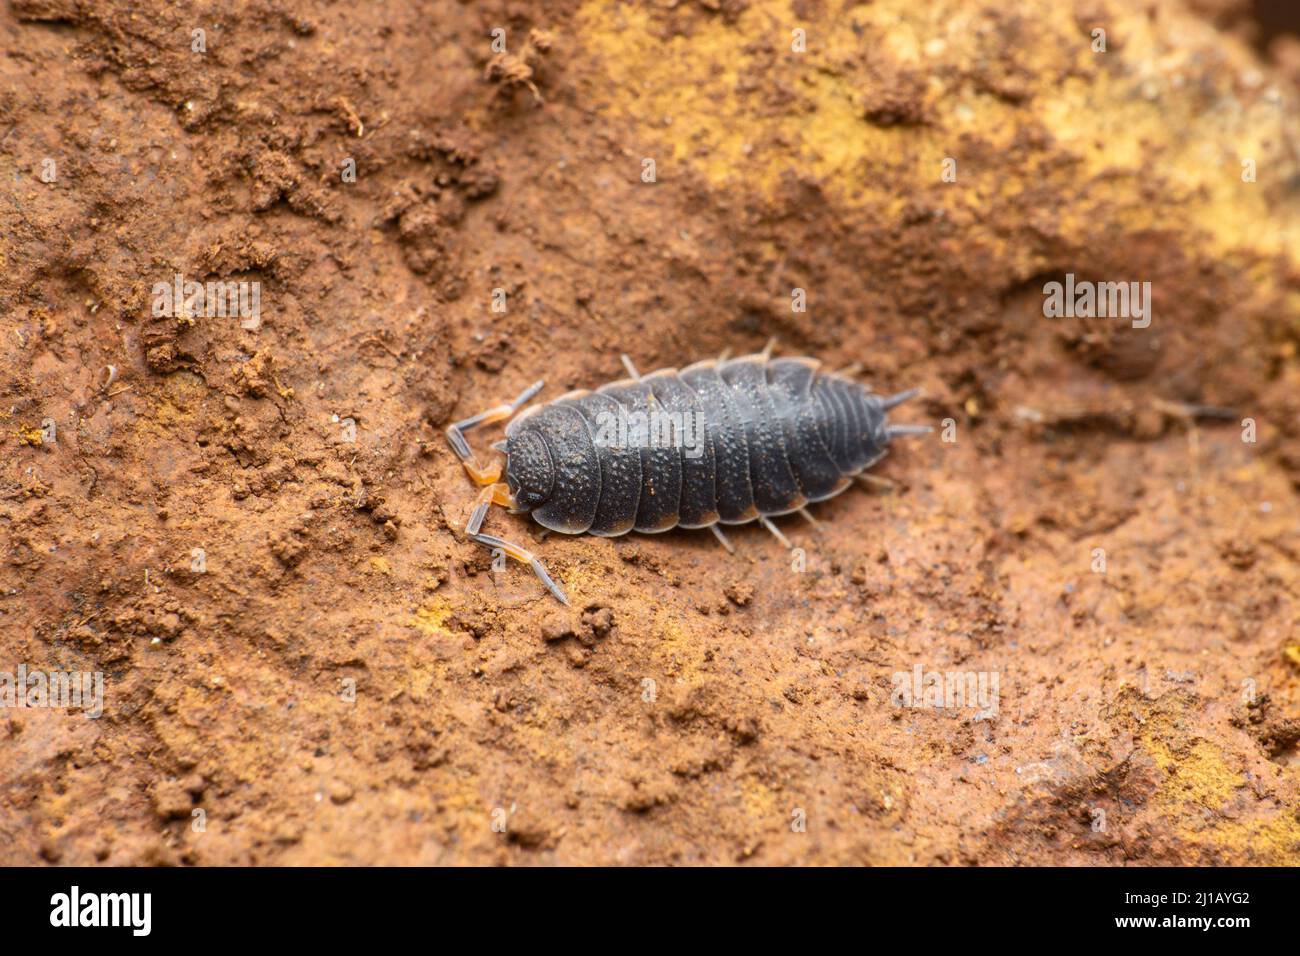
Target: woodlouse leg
897	430
485	475
851	371
631	369
724	354
807	516
527	557
722	538
767	523
876	482
769	348
893	401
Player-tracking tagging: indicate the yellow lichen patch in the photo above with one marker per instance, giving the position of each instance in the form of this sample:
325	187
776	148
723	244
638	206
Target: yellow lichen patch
759	804
182	396
534	740
708	96
882	95
183	387
432	618
1271	842
677	647
585	577
1195	775
1219	152
420	681
1200	792
381	565
31	436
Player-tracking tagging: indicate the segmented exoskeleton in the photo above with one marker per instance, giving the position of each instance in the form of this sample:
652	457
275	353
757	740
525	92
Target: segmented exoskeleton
718	442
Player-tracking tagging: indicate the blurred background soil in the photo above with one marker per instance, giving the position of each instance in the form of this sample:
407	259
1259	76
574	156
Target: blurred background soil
342	679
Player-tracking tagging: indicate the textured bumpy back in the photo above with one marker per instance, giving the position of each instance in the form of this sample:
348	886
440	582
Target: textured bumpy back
722	441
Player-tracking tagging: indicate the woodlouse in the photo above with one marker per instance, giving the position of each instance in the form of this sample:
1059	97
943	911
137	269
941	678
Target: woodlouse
770	435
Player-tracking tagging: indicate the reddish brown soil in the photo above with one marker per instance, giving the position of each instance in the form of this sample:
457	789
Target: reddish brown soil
691	707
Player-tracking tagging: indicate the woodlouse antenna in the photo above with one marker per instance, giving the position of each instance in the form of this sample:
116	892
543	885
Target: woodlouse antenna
522	554
456	431
528	393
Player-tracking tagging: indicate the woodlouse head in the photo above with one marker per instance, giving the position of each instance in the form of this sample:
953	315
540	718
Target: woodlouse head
530	470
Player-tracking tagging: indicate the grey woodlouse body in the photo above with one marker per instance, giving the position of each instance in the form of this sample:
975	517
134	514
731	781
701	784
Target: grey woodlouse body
767	436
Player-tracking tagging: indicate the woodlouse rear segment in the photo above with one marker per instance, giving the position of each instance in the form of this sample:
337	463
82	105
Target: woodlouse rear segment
718	442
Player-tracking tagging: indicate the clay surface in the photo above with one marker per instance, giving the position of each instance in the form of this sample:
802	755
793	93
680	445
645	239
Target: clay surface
250	527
